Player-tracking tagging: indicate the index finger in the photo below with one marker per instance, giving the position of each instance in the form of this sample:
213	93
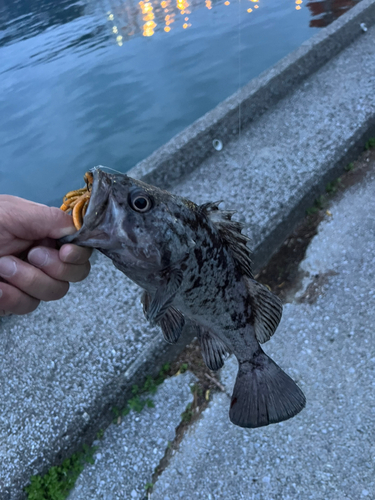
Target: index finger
31	221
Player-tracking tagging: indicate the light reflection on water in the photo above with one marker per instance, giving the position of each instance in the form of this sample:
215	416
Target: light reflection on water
108	81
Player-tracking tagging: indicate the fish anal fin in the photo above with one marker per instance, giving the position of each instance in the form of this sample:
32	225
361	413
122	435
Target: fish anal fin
267	310
171	323
264	394
213	349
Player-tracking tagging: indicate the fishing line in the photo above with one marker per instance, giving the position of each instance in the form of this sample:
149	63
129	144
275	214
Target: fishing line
102	167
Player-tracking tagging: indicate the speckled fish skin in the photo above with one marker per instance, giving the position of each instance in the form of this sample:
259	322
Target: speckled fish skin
193	262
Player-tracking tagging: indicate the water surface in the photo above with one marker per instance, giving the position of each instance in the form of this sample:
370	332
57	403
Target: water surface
107	82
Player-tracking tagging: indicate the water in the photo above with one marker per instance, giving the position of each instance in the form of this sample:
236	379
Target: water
107	82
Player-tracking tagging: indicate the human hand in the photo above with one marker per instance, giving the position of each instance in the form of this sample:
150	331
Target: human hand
31	265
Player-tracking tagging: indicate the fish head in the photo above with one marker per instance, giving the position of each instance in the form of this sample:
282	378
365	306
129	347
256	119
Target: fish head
134	223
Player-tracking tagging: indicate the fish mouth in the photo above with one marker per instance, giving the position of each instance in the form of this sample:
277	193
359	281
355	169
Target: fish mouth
93	233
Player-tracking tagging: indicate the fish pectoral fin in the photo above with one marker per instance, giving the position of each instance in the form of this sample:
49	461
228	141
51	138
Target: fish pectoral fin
172	324
164	296
213	349
263	393
230	233
267	310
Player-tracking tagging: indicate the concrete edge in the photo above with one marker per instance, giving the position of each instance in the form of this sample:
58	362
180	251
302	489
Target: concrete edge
187	150
343	155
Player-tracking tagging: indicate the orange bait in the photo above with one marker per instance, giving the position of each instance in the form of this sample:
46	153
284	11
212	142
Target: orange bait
76	202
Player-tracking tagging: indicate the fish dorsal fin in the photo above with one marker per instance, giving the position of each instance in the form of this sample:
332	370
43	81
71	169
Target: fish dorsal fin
213	349
171	323
230	233
267	310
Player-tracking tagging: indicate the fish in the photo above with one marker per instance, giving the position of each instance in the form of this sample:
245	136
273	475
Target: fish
194	264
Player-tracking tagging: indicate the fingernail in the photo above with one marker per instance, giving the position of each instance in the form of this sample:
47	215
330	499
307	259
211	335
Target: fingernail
67	231
38	257
69	253
8	267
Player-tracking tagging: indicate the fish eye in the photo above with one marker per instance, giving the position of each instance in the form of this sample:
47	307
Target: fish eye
140	202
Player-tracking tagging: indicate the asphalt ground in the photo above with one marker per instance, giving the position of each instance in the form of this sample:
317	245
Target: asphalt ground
65	366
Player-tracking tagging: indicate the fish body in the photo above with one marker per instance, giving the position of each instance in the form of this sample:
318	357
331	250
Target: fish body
193	263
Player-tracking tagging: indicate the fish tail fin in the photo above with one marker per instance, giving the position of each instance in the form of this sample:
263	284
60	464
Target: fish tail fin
264	394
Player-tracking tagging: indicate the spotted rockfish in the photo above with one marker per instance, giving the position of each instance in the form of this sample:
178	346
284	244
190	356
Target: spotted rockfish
193	263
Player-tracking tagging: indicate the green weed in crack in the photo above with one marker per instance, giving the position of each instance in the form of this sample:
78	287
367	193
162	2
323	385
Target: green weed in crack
148	487
139	401
59	480
332	187
187	415
184	367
